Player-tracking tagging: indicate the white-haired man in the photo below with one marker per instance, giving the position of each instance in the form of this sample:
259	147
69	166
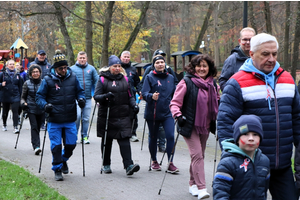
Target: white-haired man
263	88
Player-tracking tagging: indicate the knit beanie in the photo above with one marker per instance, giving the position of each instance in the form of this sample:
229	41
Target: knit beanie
59	59
113	60
32	67
245	124
155	58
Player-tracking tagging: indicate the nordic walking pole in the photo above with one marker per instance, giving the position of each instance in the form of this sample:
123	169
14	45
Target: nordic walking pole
215	160
143	135
43	142
154	115
105	135
22	119
83	168
88	134
172	154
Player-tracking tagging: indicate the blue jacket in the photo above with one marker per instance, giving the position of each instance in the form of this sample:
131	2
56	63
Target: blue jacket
232	65
45	66
275	99
164	84
87	76
61	93
239	177
12	91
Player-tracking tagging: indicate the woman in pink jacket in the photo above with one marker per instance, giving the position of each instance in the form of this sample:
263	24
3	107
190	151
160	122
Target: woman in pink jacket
196	99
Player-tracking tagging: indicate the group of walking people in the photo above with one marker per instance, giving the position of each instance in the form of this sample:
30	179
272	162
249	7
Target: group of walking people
258	115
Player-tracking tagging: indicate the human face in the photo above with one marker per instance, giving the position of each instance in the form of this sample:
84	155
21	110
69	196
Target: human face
244	41
35	74
18	66
249	142
160	65
41	57
202	69
264	59
82	59
11	65
62	70
125	58
115	69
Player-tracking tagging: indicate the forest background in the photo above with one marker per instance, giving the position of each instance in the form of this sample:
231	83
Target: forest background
103	28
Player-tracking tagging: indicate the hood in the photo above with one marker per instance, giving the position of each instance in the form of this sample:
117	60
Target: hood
126	65
240	54
110	76
41	63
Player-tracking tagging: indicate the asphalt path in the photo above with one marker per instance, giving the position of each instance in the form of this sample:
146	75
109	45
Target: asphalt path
144	184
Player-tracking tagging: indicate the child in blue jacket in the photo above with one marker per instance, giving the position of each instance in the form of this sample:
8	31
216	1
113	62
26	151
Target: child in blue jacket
243	171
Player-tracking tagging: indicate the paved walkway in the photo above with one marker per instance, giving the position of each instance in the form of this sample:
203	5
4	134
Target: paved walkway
142	185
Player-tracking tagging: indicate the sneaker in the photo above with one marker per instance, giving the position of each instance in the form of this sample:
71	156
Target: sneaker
4	128
203	194
106	169
58	175
42	128
155	166
172	169
134	138
132	168
193	190
16	130
86	141
65	169
161	149
37	151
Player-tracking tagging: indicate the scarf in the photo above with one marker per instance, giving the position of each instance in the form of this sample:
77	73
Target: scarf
11	73
207	103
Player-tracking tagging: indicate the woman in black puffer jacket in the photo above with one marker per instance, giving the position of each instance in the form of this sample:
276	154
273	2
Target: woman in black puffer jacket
113	92
35	114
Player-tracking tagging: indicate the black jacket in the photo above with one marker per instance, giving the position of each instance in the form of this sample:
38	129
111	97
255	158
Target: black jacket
12	91
45	66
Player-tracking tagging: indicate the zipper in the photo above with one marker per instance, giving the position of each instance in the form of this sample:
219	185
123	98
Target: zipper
83	79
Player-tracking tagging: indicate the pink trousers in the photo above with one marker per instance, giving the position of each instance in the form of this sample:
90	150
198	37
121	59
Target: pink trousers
197	144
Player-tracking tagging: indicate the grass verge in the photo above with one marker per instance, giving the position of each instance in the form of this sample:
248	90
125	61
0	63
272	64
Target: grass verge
17	183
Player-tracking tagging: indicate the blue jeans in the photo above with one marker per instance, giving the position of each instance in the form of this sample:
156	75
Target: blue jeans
83	115
58	133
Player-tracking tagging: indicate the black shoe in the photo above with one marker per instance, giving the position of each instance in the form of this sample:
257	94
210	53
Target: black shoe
65	169
161	149
132	168
58	175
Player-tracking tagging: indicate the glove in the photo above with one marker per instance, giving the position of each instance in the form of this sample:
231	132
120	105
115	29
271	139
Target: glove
48	108
136	109
81	102
110	97
24	107
181	120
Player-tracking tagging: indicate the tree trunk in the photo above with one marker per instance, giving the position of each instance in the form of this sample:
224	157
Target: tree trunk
216	34
251	15
204	26
268	17
137	27
187	42
89	32
106	32
64	31
296	43
286	59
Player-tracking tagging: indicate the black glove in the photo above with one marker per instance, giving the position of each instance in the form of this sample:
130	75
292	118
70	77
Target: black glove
136	109
24	107
181	120
110	97
48	108
81	102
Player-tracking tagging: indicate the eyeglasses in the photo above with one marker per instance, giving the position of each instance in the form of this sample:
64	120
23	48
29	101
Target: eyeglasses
245	40
62	68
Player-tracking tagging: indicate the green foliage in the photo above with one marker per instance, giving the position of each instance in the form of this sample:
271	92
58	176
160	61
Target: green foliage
17	183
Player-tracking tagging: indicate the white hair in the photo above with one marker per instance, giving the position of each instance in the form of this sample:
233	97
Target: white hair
125	52
261	38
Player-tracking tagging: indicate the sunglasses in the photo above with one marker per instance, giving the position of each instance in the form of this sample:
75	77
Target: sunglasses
62	68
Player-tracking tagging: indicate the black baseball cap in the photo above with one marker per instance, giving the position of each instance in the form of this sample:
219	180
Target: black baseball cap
41	52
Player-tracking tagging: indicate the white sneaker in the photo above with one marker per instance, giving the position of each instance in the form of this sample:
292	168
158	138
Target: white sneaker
134	139
16	130
37	151
193	190
4	128
202	194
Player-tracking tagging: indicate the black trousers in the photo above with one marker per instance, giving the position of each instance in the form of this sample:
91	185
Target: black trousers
125	150
35	125
14	108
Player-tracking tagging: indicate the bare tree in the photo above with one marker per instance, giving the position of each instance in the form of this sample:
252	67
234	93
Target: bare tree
287	35
252	16
204	25
296	43
89	32
268	17
106	31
